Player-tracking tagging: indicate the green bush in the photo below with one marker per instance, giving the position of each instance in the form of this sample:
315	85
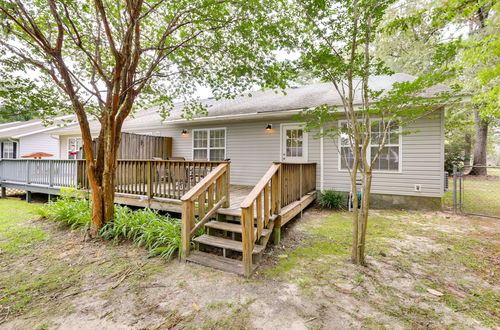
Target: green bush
159	234
71	209
331	199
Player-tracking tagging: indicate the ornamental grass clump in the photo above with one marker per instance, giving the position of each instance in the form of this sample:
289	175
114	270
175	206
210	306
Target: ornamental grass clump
331	199
159	234
70	209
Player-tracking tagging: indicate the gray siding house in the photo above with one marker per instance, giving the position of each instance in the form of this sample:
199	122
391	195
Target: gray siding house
255	131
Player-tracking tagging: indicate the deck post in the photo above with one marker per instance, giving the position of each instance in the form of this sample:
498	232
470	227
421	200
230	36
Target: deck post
187	216
28	196
276	235
4	192
246	238
279	192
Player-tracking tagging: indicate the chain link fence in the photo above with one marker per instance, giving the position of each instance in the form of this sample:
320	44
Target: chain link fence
476	190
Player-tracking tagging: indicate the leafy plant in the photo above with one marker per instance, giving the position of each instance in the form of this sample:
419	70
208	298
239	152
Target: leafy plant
159	234
331	199
71	208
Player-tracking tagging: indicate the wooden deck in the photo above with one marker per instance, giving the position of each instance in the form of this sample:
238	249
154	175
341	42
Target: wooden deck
239	221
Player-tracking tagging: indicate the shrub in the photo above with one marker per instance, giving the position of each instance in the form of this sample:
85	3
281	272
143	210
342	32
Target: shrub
331	199
71	209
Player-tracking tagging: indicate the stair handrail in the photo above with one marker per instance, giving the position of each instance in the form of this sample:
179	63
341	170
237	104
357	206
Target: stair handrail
265	199
212	190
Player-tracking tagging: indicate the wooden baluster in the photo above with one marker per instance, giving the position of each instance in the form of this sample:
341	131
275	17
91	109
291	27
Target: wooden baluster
260	222
211	196
149	183
218	189
266	205
252	222
201	206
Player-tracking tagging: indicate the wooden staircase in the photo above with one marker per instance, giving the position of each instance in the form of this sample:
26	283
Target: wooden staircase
221	246
236	238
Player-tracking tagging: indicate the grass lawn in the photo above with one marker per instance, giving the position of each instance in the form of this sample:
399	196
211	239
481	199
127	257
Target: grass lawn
15	236
481	196
425	270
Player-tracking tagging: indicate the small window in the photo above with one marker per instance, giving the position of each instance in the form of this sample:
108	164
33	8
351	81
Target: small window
9	149
75	148
209	144
389	157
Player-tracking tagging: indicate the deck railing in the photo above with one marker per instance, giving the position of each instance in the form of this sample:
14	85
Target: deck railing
282	184
201	202
41	172
151	178
155	178
297	180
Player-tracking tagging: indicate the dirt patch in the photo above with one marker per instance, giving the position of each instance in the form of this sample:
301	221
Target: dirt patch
97	284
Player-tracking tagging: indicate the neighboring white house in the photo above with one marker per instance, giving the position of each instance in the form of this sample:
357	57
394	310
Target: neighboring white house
255	131
22	138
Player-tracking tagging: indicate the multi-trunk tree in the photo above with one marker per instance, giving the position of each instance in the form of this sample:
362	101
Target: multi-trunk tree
426	35
111	57
337	47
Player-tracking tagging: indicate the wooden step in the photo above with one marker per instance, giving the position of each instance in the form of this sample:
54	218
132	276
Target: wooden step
225	243
217	262
232	227
230	212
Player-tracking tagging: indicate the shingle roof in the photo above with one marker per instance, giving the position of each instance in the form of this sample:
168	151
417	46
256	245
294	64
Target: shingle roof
267	101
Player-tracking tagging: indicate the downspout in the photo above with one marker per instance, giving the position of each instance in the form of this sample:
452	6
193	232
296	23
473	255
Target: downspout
58	138
321	160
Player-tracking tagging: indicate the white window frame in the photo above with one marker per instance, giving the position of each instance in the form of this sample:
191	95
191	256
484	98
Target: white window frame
208	130
369	150
12	143
67	147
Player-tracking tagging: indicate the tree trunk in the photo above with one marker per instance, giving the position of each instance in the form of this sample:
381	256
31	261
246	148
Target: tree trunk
102	181
363	217
480	145
468	149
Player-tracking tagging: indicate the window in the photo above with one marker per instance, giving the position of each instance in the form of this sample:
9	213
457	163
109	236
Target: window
75	148
209	144
9	149
389	158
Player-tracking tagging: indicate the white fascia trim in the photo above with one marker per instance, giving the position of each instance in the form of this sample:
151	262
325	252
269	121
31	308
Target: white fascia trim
35	132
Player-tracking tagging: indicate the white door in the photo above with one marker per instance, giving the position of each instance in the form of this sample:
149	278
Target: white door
293	143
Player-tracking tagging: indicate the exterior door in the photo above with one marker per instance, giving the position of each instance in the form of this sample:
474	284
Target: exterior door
293	143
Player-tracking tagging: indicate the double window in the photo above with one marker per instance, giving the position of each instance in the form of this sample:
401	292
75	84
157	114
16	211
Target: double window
209	144
389	159
75	148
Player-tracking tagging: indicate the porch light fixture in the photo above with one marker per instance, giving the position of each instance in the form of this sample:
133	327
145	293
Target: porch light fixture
184	132
269	127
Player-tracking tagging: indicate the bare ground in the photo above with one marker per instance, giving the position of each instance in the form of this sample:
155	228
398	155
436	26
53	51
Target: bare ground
418	277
